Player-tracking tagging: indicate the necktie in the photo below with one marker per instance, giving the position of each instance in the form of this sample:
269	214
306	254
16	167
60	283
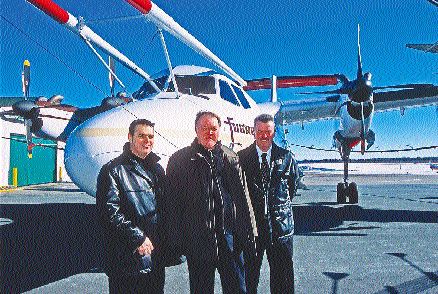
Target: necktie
265	180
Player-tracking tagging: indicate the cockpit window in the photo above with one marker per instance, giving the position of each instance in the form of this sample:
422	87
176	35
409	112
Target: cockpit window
242	97
147	88
193	85
227	93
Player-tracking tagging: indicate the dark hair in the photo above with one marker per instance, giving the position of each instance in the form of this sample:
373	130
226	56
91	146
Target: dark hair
209	113
264	118
137	122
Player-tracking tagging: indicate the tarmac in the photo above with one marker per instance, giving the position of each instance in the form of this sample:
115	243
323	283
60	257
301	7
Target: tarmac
387	243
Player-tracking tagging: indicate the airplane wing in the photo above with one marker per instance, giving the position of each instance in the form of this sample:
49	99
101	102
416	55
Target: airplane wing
434	2
308	110
291	82
410	96
301	110
405	96
432	48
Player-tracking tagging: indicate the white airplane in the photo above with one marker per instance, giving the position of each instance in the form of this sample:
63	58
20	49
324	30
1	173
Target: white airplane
172	98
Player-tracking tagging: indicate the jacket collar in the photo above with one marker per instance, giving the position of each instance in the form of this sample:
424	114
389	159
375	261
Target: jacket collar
149	161
199	149
253	157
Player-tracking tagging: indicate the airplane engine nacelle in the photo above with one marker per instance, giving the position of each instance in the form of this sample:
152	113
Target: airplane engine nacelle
111	102
355	110
26	109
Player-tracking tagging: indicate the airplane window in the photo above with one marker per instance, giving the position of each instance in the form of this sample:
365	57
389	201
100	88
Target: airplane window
147	88
227	93
242	97
194	85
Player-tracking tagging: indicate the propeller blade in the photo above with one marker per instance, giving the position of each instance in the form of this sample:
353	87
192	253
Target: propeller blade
29	142
291	82
405	86
359	57
25	79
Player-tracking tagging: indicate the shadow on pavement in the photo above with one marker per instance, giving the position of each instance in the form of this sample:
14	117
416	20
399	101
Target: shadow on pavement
52	189
49	242
317	218
46	243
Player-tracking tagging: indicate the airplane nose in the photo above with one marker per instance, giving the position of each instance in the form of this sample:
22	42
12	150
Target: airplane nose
78	162
91	145
26	109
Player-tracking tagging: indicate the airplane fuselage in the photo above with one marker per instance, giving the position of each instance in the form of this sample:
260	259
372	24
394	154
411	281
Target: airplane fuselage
102	137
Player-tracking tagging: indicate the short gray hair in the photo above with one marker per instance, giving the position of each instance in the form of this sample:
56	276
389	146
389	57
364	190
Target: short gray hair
264	118
209	113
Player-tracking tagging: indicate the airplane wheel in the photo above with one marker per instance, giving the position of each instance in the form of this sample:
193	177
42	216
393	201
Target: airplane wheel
341	193
352	192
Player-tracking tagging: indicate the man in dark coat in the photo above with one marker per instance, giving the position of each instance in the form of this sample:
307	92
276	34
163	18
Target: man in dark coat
212	212
272	176
130	189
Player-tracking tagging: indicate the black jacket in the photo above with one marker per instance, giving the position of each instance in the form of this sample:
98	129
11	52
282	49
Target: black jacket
278	227
191	185
129	195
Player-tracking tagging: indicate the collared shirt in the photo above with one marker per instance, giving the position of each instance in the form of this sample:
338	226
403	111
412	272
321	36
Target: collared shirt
268	155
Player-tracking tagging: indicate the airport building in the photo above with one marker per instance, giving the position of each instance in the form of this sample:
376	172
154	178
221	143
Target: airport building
16	168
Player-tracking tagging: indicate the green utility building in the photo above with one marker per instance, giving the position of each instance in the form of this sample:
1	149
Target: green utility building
41	168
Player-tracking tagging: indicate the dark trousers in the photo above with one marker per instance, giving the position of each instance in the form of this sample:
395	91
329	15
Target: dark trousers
152	283
229	265
281	266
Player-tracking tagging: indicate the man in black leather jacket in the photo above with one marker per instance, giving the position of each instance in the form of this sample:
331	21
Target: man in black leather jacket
130	190
272	176
212	213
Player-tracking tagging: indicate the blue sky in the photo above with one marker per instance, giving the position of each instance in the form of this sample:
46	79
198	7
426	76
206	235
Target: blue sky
255	38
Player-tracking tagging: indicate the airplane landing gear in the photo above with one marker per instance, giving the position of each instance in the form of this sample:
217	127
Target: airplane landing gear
346	190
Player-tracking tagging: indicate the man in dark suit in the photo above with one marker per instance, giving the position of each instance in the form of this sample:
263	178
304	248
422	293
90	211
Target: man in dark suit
272	176
212	217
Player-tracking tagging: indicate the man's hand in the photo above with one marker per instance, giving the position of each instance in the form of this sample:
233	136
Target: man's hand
145	248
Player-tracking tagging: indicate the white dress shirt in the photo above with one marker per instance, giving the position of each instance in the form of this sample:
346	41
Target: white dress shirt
268	155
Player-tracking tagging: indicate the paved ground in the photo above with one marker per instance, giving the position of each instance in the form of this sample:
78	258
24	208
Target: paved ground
388	243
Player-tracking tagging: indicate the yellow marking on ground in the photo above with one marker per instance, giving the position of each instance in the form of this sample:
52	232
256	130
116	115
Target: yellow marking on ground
4	189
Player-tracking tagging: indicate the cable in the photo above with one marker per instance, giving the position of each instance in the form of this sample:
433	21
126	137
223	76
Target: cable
53	55
103	20
371	151
53	146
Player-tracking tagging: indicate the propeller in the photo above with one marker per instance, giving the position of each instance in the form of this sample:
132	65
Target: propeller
359	91
25	80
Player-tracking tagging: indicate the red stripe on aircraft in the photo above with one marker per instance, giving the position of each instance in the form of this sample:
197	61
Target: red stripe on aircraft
306	81
290	82
51	9
354	143
144	6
